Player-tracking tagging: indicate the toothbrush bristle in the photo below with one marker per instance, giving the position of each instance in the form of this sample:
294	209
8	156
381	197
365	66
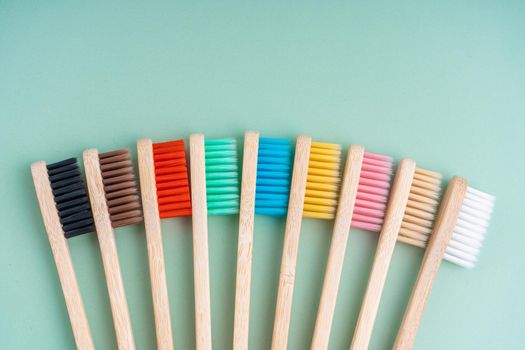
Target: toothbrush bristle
274	167
322	185
171	177
471	226
120	186
421	208
372	192
71	198
222	176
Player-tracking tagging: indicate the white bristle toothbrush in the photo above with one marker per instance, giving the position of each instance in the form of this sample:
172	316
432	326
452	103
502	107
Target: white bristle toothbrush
362	203
313	193
413	201
457	236
214	191
265	190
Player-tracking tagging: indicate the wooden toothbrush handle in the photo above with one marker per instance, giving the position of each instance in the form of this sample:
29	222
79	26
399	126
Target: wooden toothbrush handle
336	256
291	244
200	243
157	269
437	245
385	248
108	250
245	244
60	249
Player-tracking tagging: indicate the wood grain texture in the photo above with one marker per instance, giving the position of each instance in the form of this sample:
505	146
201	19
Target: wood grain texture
60	250
200	243
108	250
157	269
245	242
291	244
334	267
441	234
385	248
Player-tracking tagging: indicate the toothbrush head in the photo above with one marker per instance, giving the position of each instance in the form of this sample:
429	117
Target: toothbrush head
274	170
171	178
222	176
71	198
372	192
421	208
323	181
120	186
470	229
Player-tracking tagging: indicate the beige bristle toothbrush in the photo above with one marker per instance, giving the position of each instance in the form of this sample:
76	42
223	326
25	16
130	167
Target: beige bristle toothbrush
62	197
362	204
313	193
214	191
165	190
457	236
265	190
412	203
115	202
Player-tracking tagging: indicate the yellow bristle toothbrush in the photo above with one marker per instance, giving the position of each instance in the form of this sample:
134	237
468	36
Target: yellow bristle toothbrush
214	191
265	190
412	203
65	209
362	203
114	197
457	236
313	193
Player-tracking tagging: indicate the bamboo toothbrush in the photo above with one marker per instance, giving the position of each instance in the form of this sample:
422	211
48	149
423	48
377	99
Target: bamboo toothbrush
313	193
165	192
457	236
113	194
265	190
65	209
214	191
362	204
412	203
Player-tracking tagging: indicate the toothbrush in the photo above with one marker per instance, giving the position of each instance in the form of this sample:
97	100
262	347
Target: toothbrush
457	236
214	191
265	190
64	205
165	192
313	193
413	201
362	204
113	194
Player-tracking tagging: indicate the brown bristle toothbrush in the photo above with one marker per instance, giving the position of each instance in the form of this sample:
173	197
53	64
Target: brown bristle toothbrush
313	193
214	191
115	202
457	236
362	204
412	203
65	209
165	194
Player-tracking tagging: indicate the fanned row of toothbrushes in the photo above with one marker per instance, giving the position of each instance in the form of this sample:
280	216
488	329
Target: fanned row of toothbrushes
405	205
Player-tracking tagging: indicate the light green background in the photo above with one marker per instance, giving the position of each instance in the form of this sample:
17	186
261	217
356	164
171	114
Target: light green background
442	83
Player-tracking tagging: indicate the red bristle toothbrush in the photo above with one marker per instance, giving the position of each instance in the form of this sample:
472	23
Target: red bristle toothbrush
313	193
165	192
413	201
64	205
457	236
265	190
362	204
214	191
113	194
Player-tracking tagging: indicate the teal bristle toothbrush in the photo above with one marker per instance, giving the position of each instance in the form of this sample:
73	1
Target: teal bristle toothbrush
266	173
214	191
